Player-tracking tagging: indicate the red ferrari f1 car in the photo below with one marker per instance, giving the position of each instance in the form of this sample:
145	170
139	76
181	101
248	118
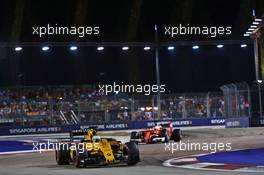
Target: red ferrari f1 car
163	132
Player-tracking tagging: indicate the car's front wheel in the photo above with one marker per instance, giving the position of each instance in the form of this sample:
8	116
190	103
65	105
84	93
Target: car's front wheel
132	153
176	135
76	159
62	156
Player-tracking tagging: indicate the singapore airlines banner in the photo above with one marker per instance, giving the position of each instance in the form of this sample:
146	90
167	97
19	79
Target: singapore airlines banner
122	125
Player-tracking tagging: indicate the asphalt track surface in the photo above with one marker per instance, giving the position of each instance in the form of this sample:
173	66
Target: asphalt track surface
152	157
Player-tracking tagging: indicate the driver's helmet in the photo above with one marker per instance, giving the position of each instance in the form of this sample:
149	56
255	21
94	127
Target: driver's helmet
158	127
96	139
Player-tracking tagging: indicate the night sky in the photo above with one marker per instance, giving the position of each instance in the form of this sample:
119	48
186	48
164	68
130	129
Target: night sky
182	70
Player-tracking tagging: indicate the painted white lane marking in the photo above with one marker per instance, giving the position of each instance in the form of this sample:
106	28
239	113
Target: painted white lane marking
203	165
25	151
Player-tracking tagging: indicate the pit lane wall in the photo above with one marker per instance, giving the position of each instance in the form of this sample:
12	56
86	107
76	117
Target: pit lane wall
218	121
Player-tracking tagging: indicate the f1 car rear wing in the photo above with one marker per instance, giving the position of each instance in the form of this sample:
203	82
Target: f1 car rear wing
77	133
80	132
165	124
168	125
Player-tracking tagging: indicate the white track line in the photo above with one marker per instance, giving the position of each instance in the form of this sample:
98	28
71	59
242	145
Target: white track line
201	165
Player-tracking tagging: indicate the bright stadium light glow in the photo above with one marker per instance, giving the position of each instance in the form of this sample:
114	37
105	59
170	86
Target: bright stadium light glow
195	47
246	34
259	81
73	48
17	49
243	45
125	48
220	46
100	48
146	48
257	19
250	29
255	23
45	48
253	26
171	48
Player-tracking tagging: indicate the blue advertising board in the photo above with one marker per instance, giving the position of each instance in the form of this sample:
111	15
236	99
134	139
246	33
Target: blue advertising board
239	122
110	126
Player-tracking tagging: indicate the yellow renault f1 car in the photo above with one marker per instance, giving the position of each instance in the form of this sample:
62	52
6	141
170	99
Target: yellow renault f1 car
93	150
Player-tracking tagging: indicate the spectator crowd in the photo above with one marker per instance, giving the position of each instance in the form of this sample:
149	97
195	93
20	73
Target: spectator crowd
91	105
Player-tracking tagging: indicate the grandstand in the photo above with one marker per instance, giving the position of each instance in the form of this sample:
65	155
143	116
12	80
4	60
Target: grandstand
31	106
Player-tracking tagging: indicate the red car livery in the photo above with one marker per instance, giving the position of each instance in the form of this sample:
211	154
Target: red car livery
162	132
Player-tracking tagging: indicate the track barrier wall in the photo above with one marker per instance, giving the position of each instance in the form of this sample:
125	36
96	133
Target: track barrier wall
239	122
129	125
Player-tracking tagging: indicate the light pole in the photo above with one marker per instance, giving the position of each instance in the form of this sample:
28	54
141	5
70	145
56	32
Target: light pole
255	37
157	71
254	33
260	99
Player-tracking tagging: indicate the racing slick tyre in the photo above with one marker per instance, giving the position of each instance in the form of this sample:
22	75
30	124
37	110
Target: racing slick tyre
76	159
134	136
165	135
132	152
62	156
176	135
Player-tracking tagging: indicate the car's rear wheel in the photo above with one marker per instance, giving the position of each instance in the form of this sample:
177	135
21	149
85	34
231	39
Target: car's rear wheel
132	152
165	135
